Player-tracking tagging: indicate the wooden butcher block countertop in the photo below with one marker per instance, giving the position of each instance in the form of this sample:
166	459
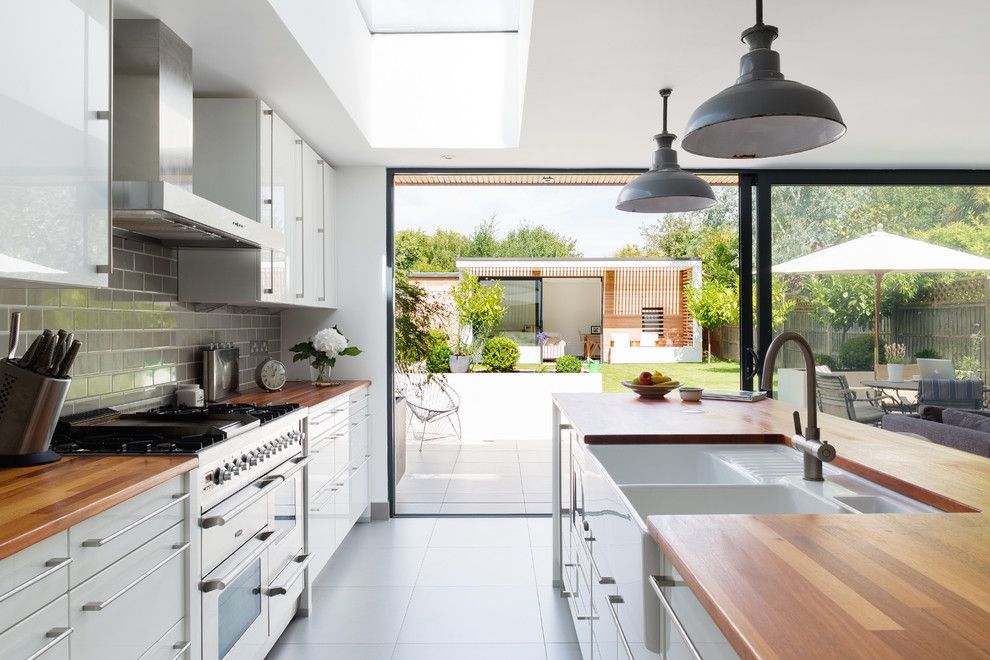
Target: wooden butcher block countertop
36	502
823	586
298	391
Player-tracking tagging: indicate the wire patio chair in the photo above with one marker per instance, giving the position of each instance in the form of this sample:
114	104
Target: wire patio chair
433	406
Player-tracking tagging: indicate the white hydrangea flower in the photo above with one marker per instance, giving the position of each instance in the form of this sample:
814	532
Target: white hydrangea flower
330	341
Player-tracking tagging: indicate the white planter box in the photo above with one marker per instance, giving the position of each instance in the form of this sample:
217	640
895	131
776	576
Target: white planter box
513	405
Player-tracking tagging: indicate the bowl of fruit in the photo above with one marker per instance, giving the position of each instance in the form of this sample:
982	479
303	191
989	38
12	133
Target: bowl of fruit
653	385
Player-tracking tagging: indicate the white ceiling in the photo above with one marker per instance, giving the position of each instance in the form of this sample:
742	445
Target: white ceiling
909	76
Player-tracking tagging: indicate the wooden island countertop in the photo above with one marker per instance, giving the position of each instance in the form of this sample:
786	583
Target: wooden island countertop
823	586
37	502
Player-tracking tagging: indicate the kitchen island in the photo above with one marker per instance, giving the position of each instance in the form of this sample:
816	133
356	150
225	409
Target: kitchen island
809	584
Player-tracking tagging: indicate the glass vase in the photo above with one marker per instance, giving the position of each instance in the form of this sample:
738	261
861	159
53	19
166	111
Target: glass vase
321	376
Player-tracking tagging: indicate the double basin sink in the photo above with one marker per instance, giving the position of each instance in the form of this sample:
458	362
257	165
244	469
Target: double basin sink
741	479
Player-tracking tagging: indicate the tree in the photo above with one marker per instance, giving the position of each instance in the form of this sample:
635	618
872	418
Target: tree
415	313
480	306
713	305
536	241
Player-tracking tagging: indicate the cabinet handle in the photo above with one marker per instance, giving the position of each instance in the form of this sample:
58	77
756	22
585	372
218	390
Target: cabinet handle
612	601
657	582
54	565
99	543
56	635
302	254
96	607
224	518
181	647
266	538
303	561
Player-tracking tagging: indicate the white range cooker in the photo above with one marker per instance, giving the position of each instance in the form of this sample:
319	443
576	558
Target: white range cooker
251	508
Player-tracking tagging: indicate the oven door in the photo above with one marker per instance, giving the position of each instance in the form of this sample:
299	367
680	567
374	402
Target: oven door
235	607
288	513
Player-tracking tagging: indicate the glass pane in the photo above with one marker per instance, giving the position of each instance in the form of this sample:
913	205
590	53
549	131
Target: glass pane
839	249
522	310
239	607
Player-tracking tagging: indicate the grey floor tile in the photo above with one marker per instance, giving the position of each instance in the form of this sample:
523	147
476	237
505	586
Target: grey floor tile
469	652
351	615
331	652
476	567
475	615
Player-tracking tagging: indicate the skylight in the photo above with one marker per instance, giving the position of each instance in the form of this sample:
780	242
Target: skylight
426	16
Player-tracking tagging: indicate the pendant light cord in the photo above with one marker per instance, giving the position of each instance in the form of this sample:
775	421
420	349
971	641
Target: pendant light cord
759	12
665	94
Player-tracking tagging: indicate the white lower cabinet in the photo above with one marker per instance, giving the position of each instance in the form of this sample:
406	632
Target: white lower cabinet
173	645
44	634
33	577
607	552
126	609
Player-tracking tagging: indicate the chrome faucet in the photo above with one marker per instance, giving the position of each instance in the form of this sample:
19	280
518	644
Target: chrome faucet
815	451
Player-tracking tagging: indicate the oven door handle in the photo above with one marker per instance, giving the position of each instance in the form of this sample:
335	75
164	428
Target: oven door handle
221	583
303	561
273	482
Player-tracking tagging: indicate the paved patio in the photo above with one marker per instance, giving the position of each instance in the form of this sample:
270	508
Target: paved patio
472	477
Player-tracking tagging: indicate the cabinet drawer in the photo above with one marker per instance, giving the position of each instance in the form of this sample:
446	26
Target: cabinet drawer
221	540
358	492
326	416
173	645
45	634
103	539
322	531
33	577
359	446
284	592
286	510
124	610
359	400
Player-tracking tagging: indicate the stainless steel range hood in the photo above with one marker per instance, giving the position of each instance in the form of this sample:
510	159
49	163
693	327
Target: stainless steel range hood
153	147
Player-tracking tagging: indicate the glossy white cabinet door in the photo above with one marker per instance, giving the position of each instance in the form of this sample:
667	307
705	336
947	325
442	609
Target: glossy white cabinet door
312	220
286	205
328	297
55	130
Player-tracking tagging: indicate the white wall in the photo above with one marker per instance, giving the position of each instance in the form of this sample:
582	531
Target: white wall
359	235
571	306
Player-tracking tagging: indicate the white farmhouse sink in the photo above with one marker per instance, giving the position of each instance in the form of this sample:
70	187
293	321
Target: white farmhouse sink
668	464
655	500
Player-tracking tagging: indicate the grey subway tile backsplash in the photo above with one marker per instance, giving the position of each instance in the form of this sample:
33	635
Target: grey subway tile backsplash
139	341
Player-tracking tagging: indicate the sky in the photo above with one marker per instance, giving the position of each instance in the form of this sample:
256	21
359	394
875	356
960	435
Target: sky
584	213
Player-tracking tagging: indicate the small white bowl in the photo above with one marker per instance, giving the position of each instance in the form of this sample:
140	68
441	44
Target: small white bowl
691	393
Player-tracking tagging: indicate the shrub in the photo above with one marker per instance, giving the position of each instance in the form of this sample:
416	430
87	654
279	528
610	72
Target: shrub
928	353
438	357
500	354
857	353
568	364
827	361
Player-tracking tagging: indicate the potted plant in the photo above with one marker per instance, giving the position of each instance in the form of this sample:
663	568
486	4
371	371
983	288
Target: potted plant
322	350
480	310
895	354
460	355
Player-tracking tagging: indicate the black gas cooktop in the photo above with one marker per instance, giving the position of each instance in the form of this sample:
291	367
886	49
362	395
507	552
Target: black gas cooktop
165	430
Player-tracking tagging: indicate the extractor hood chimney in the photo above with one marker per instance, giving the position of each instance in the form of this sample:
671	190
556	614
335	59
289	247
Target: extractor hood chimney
153	146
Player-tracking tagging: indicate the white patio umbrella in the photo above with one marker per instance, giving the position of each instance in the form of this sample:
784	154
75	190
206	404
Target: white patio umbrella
878	253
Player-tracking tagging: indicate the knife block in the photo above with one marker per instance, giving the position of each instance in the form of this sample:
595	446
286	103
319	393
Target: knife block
30	404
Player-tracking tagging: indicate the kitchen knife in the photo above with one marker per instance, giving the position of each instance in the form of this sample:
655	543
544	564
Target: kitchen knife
31	352
70	357
35	357
43	359
15	332
60	349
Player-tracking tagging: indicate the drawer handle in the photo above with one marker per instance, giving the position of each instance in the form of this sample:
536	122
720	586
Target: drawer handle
56	635
657	582
303	561
54	565
181	647
227	516
99	543
266	538
612	601
179	548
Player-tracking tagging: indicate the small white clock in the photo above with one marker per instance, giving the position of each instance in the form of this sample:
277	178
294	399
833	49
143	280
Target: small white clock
270	375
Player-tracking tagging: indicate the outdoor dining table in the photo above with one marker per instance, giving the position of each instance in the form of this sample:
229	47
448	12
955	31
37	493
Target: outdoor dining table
898	386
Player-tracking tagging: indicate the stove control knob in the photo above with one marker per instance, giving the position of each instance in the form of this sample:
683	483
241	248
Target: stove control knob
225	476
217	476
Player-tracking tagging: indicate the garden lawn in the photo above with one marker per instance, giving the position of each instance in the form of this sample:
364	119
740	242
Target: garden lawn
717	375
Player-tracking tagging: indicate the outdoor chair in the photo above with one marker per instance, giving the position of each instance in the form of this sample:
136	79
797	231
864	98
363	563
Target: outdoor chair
951	393
432	406
835	398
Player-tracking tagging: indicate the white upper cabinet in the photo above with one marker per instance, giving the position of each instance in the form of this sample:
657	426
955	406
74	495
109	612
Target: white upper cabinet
250	160
325	238
55	132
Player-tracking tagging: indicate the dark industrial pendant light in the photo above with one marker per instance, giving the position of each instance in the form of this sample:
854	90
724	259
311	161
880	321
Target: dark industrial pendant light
666	188
762	114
